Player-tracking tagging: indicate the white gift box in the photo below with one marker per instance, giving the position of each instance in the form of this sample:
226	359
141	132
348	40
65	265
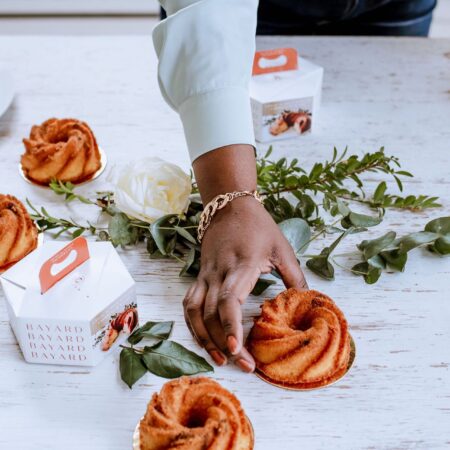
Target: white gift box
285	93
70	304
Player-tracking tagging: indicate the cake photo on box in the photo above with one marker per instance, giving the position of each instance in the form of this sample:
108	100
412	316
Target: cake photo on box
70	303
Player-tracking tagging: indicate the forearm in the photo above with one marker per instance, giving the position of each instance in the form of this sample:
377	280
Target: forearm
205	50
226	169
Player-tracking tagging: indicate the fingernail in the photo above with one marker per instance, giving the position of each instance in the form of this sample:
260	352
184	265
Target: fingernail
218	358
245	365
232	345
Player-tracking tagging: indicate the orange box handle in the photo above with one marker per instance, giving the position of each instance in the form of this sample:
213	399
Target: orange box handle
47	278
276	60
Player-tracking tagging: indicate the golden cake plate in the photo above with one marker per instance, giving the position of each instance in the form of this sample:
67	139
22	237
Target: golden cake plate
312	386
137	445
103	162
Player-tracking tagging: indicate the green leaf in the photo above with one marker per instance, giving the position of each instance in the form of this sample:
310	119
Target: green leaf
131	366
441	245
77	233
261	285
379	191
120	231
360	220
370	273
268	153
377	261
189	261
321	266
342	207
169	359
375	246
413	240
151	330
305	207
297	232
162	236
184	233
394	259
440	225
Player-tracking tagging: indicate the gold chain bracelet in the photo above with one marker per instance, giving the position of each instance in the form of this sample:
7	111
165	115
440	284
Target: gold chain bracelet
219	202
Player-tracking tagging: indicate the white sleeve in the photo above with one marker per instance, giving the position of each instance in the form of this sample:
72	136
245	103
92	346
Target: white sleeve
205	50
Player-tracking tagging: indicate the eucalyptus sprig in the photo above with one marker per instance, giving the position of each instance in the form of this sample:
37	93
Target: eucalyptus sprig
164	358
306	204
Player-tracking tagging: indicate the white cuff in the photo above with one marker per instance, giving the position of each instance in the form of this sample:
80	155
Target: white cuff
217	118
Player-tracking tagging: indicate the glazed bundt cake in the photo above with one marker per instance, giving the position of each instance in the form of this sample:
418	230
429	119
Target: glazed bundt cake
62	149
18	233
300	340
195	414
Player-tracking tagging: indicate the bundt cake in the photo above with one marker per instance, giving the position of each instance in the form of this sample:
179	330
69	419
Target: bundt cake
300	340
18	233
62	149
195	414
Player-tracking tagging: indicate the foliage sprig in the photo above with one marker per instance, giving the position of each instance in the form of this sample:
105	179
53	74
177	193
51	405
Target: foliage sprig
306	204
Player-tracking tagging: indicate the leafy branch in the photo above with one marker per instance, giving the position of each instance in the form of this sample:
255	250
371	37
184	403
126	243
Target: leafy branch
300	201
164	358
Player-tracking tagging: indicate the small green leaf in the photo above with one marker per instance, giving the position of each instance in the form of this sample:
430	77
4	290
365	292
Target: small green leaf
342	207
184	233
77	233
189	261
169	359
379	191
151	330
321	266
261	285
441	245
305	206
413	240
360	220
120	231
162	236
131	366
375	246
377	261
297	232
440	225
394	259
370	273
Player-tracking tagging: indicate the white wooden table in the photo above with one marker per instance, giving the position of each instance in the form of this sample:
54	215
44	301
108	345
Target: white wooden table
392	92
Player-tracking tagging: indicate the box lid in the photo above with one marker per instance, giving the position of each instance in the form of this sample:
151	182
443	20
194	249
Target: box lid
80	294
302	82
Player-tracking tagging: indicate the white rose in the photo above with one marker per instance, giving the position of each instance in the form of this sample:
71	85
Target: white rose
150	188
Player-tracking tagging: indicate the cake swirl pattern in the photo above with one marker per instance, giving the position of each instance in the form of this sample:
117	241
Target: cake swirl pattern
300	339
18	233
195	414
62	149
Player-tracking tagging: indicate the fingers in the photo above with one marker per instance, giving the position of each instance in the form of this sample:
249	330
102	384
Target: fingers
234	290
214	317
193	314
289	269
214	325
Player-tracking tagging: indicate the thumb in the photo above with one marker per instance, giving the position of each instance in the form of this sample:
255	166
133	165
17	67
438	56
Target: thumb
289	269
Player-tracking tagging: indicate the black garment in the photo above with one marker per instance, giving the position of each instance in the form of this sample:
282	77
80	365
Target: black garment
344	17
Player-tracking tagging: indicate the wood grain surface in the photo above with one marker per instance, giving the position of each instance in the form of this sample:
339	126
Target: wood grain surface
391	92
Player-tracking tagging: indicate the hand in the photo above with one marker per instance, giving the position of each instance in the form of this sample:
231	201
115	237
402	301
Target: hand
241	242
